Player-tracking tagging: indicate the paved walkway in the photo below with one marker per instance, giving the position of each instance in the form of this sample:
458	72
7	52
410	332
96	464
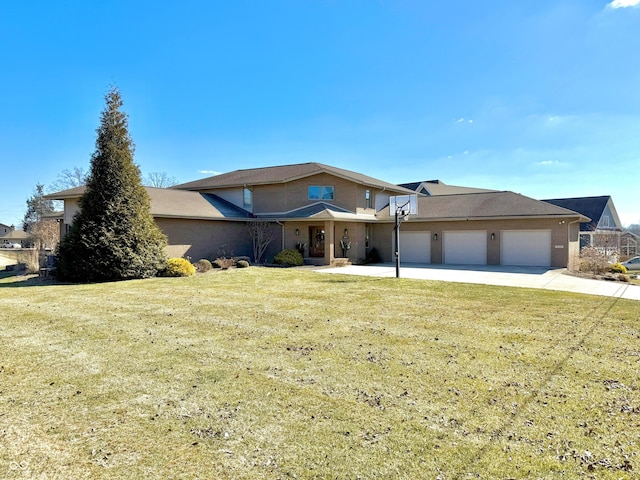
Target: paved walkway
528	277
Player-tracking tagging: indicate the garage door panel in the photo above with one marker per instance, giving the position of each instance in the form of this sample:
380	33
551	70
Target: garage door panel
530	248
465	247
415	247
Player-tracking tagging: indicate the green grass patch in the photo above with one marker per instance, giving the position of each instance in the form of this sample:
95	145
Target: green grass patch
271	373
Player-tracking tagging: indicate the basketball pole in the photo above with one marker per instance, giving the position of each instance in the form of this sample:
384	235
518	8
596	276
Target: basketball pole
400	214
397	245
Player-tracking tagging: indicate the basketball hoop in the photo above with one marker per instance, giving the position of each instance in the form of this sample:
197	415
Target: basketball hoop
401	206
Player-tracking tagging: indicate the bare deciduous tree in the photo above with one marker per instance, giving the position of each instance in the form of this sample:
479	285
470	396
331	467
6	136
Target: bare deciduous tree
262	234
159	180
69	179
47	233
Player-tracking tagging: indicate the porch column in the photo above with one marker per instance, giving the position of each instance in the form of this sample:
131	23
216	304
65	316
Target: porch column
330	242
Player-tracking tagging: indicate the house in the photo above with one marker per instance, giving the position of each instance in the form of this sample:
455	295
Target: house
629	244
604	228
335	215
438	187
4	229
9	234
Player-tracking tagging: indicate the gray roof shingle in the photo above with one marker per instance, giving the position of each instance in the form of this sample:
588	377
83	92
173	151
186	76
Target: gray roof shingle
283	174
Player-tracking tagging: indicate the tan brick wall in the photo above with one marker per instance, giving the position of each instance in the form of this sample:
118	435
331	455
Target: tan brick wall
292	195
203	239
564	237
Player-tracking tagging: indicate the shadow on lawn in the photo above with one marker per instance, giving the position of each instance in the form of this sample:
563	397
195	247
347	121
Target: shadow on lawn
26	280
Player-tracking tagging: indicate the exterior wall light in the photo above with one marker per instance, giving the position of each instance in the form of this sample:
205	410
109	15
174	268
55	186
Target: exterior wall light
493	236
346	232
297	232
435	236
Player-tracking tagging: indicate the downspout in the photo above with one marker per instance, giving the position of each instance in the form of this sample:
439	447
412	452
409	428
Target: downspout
282	225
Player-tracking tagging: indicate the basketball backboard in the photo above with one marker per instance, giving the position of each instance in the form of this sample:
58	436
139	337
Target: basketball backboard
403	204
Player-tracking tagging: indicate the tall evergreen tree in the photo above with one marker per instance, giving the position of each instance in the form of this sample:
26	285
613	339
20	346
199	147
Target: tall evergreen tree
113	236
37	208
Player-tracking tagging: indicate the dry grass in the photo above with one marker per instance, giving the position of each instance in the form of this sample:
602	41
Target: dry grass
270	373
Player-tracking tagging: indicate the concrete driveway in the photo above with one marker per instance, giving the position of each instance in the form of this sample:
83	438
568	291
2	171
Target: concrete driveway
527	277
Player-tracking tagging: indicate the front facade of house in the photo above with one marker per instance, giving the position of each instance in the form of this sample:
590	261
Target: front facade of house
334	216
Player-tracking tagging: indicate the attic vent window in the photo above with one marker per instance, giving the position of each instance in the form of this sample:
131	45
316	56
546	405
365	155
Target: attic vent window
317	192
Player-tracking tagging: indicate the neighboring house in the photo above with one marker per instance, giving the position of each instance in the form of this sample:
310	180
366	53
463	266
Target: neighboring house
629	244
335	213
8	234
604	228
4	229
437	187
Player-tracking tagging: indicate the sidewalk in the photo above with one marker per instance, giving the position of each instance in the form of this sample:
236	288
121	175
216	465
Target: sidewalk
527	277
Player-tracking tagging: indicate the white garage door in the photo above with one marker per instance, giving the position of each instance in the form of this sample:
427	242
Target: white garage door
526	247
415	247
465	248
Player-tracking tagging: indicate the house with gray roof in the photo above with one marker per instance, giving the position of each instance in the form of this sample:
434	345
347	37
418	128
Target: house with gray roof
603	229
335	216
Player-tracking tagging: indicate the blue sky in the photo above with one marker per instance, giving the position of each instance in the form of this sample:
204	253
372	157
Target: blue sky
539	97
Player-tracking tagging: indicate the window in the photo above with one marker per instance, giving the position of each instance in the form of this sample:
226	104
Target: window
367	198
317	192
604	221
247	199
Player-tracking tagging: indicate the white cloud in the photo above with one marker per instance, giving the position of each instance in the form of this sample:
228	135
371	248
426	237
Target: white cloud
624	3
209	172
548	162
463	120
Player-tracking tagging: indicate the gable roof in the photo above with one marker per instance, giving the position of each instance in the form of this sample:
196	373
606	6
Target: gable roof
168	203
592	207
283	174
487	205
320	210
438	187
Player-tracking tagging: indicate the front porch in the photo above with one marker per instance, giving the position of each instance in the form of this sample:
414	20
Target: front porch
328	242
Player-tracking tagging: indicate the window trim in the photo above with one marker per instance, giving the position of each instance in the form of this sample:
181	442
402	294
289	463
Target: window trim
322	191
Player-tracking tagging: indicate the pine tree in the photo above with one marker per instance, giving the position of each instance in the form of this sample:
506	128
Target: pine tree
113	236
37	208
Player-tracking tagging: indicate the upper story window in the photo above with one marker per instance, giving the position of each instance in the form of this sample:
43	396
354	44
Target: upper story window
604	221
367	199
318	192
247	199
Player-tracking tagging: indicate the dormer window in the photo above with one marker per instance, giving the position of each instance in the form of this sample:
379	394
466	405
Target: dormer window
320	192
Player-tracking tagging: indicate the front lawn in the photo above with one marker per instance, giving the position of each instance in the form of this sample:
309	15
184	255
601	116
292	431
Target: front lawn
270	373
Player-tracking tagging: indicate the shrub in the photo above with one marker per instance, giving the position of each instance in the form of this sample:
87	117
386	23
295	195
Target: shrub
624	278
289	258
178	267
618	268
594	261
203	265
224	263
242	264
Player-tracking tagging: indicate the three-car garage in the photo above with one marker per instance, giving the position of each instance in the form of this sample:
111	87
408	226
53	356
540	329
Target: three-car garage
473	247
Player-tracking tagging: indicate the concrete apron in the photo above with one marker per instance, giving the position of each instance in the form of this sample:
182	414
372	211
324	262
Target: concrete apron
526	277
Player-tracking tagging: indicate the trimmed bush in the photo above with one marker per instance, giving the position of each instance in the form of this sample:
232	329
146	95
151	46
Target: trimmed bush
242	264
224	263
289	258
178	267
618	268
203	265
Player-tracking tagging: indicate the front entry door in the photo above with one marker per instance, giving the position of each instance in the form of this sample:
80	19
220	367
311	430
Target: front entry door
316	242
